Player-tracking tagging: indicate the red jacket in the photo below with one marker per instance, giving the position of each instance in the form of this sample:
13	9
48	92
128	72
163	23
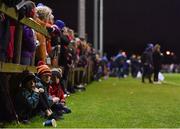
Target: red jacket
55	90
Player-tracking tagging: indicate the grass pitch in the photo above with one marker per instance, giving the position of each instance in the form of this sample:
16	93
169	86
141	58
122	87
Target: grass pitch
122	103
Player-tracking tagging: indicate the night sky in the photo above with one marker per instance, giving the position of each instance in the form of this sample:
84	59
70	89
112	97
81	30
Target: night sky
128	24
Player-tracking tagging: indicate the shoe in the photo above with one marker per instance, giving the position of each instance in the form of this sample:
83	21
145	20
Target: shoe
66	110
65	95
53	116
51	122
157	82
42	114
54	124
26	122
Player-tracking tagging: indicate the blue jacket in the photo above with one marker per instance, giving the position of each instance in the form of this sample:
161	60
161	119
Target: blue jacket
41	84
26	101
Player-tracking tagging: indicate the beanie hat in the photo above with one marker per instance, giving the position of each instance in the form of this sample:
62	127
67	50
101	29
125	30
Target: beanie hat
41	63
40	4
149	46
60	24
27	76
57	72
43	70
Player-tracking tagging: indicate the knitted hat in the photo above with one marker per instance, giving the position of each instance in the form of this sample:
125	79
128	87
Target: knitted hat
60	24
149	46
41	63
57	72
43	70
40	4
27	76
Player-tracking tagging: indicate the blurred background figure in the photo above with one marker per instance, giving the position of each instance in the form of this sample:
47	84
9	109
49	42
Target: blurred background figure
157	60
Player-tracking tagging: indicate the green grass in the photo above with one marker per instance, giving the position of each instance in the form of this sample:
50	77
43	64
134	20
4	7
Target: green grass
122	103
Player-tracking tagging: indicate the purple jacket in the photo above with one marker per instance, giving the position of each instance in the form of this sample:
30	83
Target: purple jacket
28	42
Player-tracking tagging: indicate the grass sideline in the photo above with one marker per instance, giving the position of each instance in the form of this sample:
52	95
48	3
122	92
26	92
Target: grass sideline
122	103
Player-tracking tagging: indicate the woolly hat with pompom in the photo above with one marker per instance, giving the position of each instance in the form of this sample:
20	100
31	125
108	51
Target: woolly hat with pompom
57	72
60	24
43	70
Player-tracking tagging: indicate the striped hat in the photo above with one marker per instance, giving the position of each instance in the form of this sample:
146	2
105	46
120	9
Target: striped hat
43	70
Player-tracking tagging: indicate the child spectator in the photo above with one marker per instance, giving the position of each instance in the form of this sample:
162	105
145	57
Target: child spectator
28	99
44	74
55	90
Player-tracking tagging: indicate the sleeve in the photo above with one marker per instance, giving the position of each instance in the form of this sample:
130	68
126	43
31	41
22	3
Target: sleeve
29	40
50	100
62	95
51	91
31	99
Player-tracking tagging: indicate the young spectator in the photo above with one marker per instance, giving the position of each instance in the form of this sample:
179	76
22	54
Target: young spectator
42	81
55	90
29	98
44	74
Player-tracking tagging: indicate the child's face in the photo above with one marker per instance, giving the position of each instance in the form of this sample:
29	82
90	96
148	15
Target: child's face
55	79
30	84
46	78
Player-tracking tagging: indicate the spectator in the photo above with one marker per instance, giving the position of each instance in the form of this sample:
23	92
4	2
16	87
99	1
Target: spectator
28	98
43	16
157	59
55	90
147	63
28	46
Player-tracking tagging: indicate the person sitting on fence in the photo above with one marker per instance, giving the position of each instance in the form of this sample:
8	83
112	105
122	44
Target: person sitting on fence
55	89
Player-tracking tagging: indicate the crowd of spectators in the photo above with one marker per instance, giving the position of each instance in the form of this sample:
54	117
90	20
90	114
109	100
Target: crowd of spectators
45	92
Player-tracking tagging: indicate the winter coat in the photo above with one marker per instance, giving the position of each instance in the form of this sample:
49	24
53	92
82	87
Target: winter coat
41	51
157	59
28	44
147	58
26	101
41	84
55	90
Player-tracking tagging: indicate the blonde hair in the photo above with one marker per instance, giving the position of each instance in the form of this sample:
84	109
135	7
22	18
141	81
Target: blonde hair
157	47
43	12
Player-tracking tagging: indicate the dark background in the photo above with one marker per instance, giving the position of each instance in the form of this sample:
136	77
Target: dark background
128	24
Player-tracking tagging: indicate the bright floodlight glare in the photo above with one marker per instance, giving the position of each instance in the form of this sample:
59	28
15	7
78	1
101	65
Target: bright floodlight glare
172	53
167	52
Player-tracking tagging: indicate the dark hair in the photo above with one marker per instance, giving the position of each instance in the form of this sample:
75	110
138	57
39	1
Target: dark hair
27	76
